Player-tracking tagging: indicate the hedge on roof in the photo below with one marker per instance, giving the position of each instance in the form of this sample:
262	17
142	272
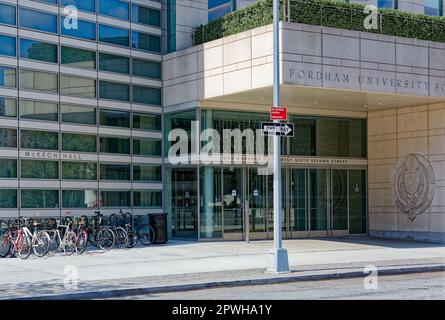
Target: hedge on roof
328	13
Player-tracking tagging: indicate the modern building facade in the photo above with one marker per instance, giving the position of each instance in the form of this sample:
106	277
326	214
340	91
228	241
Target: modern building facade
80	107
86	113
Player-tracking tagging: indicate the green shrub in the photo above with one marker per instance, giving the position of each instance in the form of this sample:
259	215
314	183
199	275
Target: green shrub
327	13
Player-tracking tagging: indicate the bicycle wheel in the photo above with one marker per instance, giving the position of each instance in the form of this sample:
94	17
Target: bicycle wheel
54	241
69	243
40	243
105	238
24	247
146	235
121	237
132	239
82	241
5	246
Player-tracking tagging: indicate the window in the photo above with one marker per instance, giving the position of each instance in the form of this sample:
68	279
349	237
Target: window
8	168
114	63
36	110
79	170
37	50
144	41
117	199
75	57
146	147
8	138
38	81
77	114
7	77
7	45
8	107
147	199
389	4
112	35
147	173
112	118
115	172
75	86
146	121
147	69
8	198
114	91
433	7
146	95
37	20
79	198
31	198
85	29
7	14
79	142
48	1
39	169
114	8
115	145
32	139
84	5
145	15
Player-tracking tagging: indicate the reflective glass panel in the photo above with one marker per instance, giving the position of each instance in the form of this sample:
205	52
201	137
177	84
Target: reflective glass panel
147	173
78	142
85	29
31	198
146	95
146	121
114	91
38	110
115	145
7	77
78	114
114	63
38	20
7	45
117	199
75	86
8	168
114	8
79	198
7	14
38	81
146	42
39	169
147	199
8	198
114	118
112	35
8	138
32	139
84	5
8	107
37	50
146	147
115	172
75	57
79	170
147	69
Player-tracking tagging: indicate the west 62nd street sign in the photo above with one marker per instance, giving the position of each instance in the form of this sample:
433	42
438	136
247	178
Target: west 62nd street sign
277	129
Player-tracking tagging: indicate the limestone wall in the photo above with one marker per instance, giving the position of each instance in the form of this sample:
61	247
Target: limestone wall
393	134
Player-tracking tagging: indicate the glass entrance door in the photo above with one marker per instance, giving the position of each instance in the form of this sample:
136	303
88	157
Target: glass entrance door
339	202
233	203
258	189
298	202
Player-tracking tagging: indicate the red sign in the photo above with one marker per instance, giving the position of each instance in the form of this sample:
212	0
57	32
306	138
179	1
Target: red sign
278	113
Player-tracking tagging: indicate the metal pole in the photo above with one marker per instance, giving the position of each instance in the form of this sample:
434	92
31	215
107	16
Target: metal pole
278	260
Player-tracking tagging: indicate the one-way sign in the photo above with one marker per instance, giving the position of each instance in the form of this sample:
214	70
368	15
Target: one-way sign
277	129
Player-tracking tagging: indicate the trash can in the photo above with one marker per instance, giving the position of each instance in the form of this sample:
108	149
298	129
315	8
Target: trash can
159	223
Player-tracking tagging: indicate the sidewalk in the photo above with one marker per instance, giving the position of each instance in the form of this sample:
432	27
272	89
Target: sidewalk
191	265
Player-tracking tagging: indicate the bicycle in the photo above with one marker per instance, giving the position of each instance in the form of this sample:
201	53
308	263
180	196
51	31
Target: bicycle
98	235
67	242
19	239
132	236
145	232
119	232
81	234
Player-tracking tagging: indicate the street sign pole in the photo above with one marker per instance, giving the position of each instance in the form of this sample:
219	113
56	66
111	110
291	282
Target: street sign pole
278	260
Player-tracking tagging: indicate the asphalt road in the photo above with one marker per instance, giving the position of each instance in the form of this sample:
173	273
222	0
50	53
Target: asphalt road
408	286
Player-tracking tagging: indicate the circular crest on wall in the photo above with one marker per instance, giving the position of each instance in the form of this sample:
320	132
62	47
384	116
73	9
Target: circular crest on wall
413	184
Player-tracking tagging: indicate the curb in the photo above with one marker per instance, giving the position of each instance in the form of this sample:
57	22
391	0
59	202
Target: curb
229	283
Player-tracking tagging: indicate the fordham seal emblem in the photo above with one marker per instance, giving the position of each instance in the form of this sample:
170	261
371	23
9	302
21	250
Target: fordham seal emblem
413	184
